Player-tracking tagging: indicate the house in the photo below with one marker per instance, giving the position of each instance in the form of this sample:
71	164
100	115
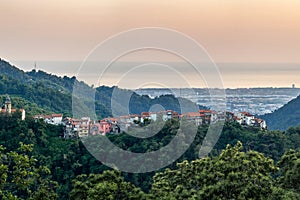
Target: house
206	116
168	114
193	116
260	123
135	118
237	119
68	128
8	110
100	128
76	127
83	130
145	116
153	116
247	118
214	116
84	126
124	119
54	119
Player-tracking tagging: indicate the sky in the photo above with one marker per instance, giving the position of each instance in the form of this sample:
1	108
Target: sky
253	35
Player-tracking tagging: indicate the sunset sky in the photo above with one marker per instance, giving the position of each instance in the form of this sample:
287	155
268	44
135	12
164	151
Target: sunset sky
232	31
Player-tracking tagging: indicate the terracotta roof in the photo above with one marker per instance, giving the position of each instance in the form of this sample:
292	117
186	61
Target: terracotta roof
205	111
113	119
126	117
145	113
259	120
247	114
192	114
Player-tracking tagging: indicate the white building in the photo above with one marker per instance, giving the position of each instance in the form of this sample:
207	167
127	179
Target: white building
54	119
246	118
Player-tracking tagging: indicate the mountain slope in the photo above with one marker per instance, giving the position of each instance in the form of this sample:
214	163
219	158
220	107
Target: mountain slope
8	69
54	93
284	117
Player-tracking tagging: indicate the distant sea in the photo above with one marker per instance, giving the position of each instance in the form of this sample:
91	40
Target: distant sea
135	75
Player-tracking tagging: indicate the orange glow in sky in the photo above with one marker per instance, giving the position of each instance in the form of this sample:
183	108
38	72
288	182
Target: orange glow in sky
231	30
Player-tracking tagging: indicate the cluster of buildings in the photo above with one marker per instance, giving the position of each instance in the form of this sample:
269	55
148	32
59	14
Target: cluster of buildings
247	119
7	109
85	126
81	127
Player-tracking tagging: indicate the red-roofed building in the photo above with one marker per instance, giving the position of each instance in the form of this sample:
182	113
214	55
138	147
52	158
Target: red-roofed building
208	116
247	118
193	116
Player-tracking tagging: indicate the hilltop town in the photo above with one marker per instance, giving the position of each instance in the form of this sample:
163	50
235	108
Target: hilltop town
85	126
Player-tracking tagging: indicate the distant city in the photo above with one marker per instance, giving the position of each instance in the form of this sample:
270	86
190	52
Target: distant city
257	101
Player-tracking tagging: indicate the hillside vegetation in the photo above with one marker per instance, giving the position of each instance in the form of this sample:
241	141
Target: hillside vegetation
285	117
53	93
54	167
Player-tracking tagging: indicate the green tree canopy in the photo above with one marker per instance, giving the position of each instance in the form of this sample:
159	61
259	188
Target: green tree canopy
22	178
290	165
108	185
231	175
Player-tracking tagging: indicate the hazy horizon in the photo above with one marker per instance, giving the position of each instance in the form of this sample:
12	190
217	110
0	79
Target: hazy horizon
247	75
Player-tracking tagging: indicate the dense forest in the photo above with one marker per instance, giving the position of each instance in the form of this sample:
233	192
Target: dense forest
246	163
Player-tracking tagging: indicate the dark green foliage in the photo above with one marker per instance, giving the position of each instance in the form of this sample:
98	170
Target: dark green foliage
67	159
36	92
8	69
290	165
22	178
109	185
232	175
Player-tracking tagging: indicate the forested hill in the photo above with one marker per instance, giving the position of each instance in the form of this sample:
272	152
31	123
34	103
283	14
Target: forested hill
54	93
284	117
